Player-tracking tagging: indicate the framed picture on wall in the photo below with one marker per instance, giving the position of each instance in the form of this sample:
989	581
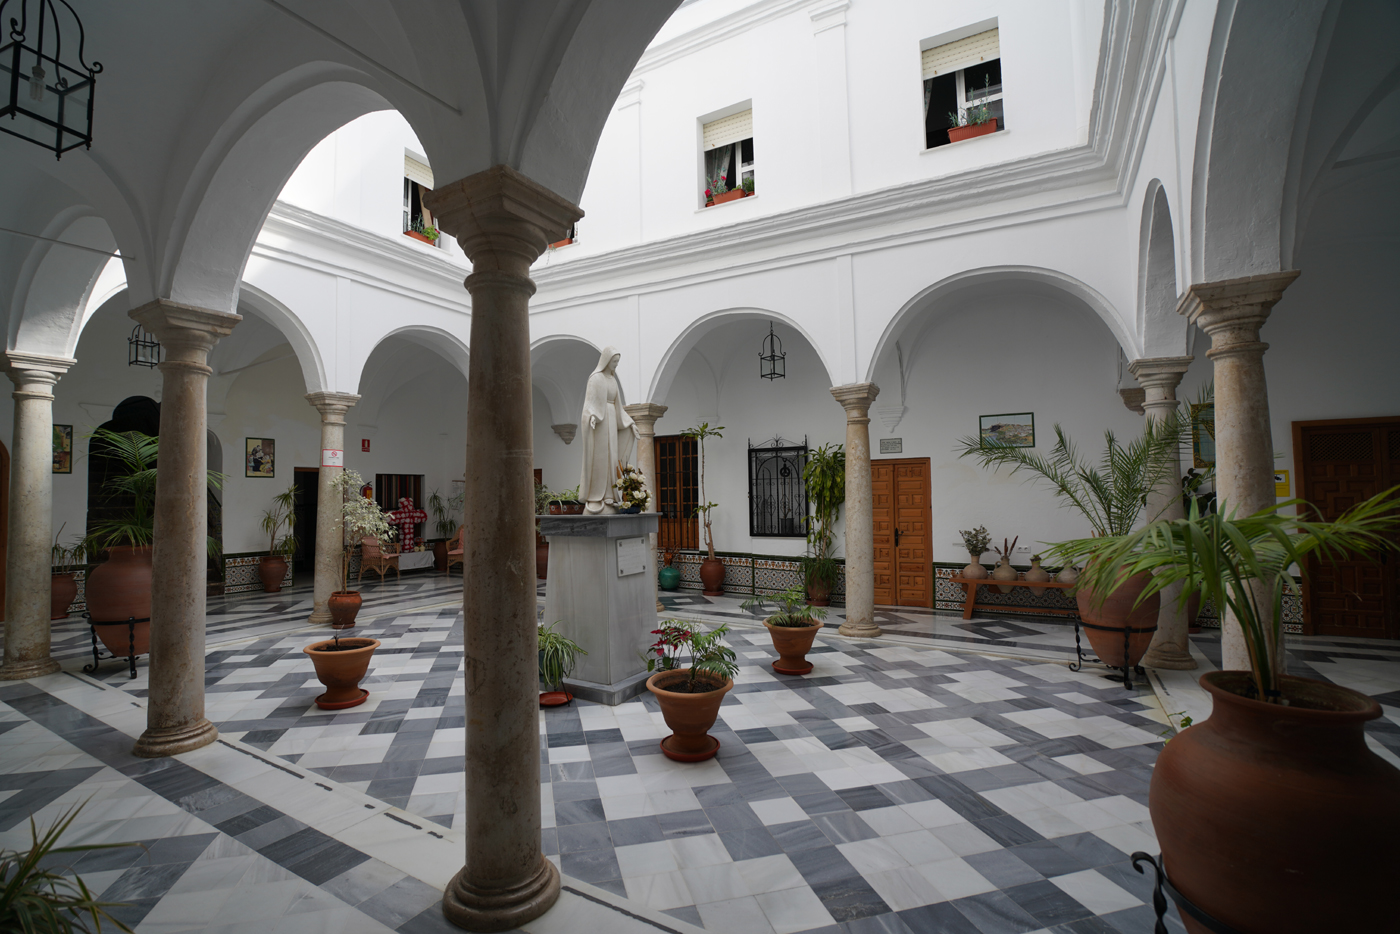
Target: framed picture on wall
1203	434
1017	430
259	457
62	448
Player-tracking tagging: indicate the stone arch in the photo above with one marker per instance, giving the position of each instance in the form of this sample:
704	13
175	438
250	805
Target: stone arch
390	364
265	306
1162	329
559	368
55	282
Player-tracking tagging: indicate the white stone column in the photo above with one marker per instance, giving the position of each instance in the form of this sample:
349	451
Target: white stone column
1159	377
27	567
175	720
1232	312
329	541
856	399
503	221
645	415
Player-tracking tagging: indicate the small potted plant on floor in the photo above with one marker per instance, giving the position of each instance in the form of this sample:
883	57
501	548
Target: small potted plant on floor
341	665
632	486
65	561
558	655
825	479
360	518
446	511
711	568
690	697
792	628
272	567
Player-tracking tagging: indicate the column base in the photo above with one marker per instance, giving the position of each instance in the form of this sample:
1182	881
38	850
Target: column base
20	671
858	631
320	616
171	741
1168	656
476	909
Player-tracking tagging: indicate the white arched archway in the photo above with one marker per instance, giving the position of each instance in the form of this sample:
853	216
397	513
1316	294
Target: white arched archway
265	306
55	282
1162	329
397	358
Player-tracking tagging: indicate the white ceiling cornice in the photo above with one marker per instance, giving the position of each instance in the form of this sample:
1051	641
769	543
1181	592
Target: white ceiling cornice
716	31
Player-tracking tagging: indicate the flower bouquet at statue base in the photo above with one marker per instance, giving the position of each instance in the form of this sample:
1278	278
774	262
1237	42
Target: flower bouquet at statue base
631	489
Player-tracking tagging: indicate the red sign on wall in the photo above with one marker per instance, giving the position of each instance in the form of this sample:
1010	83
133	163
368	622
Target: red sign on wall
364	445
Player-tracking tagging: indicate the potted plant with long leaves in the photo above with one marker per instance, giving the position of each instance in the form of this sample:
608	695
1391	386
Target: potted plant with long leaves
558	655
446	510
825	479
690	697
272	567
360	517
792	627
965	123
543	495
1273	814
341	664
565	503
1111	495
65	562
711	568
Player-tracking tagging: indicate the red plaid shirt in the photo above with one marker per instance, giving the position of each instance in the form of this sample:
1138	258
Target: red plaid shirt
405	518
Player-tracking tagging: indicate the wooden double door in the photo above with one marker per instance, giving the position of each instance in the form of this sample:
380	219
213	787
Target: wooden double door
902	508
1339	464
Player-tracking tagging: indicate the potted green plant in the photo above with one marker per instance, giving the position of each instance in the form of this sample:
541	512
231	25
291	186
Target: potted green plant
972	121
711	568
543	495
976	541
341	665
272	567
424	232
65	562
690	697
558	655
1254	806
445	511
632	485
565	503
792	627
748	186
360	517
825	479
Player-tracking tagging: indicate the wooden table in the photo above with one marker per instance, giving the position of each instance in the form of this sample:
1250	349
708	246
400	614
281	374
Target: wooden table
971	587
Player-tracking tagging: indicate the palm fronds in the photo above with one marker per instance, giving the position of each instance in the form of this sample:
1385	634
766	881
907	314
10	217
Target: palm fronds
134	483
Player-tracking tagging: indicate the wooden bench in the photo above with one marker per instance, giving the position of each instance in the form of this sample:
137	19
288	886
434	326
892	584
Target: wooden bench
971	587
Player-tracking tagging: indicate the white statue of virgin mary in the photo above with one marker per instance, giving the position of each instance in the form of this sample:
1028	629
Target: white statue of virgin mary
609	436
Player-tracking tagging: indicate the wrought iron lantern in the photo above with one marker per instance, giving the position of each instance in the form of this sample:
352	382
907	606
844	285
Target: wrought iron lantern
47	101
142	349
772	362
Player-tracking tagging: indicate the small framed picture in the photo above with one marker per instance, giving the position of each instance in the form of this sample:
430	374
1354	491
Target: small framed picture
260	457
1017	430
1203	434
62	448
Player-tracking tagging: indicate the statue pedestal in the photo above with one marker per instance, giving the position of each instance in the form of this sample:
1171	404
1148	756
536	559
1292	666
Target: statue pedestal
601	570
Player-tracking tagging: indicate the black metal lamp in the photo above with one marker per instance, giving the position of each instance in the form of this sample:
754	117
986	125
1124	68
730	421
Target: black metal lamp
772	362
47	102
142	349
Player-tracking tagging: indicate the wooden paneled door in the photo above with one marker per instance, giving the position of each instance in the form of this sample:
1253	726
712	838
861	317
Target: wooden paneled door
1339	464
903	515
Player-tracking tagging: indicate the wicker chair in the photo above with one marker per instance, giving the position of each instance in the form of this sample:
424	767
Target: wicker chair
373	558
455	549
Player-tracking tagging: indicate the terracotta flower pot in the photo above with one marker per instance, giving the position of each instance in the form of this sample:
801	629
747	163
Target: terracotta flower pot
733	195
542	560
1104	623
1004	572
272	569
341	671
689	716
1193	610
959	133
1280	819
975	571
712	577
120	587
819	593
792	643
439	556
344	607
63	590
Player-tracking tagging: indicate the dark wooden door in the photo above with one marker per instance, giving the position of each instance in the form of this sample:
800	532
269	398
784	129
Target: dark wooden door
1339	464
677	492
902	512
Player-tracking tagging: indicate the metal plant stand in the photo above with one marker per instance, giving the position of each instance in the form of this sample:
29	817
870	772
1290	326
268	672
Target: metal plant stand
1080	658
97	657
1183	904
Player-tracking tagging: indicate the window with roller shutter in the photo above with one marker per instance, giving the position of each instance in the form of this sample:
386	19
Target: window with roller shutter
962	80
418	221
728	153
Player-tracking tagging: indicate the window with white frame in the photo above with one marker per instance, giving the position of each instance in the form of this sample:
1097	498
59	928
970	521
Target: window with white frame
962	88
729	160
417	220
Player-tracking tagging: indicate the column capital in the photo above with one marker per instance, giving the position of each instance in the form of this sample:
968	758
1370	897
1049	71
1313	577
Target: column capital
503	220
856	399
1162	374
175	325
565	431
34	374
646	414
1232	311
332	405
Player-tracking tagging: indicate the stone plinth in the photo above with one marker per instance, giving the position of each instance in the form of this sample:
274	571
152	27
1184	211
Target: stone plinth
610	615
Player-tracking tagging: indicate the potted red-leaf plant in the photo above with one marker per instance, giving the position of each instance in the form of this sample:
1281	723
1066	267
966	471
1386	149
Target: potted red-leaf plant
690	697
711	568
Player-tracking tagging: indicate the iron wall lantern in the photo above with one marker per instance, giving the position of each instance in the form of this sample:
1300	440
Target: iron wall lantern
772	362
142	349
48	102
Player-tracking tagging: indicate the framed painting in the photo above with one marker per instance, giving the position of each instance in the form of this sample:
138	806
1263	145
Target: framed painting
1017	430
62	448
1203	434
260	457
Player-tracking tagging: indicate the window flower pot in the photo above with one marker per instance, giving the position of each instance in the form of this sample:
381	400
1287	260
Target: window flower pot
792	644
272	569
689	716
957	134
63	590
344	606
341	669
734	195
417	236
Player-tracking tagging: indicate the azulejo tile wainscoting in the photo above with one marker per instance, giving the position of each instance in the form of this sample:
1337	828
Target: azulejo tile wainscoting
752	574
241	573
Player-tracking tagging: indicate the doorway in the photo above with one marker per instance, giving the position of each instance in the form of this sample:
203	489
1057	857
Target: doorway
677	492
307	481
901	504
1339	464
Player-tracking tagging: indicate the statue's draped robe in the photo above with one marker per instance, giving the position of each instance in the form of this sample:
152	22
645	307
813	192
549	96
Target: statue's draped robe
611	443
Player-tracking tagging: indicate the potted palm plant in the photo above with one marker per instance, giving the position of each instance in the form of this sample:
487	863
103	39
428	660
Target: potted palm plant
360	517
690	697
65	561
792	628
825	479
558	655
711	568
1259	807
445	511
341	665
272	567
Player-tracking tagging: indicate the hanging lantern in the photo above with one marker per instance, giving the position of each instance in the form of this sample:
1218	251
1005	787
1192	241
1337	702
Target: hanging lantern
142	349
772	362
47	101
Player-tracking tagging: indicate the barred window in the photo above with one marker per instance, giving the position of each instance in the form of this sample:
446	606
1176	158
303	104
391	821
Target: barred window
777	493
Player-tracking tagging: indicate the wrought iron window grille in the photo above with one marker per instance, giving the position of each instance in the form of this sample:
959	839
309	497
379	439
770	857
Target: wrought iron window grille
48	102
777	492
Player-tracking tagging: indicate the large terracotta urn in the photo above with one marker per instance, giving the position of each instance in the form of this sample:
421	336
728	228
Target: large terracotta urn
712	577
819	592
344	606
689	716
63	590
117	590
272	570
1276	818
1104	623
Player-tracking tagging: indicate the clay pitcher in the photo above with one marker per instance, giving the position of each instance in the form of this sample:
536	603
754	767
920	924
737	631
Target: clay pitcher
1037	573
1004	572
